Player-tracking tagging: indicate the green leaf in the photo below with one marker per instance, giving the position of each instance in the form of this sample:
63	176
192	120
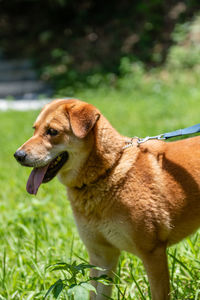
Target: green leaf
72	268
58	288
104	279
85	266
79	292
64	266
88	287
58	284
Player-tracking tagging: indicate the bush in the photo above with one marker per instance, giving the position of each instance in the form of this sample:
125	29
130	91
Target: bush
185	53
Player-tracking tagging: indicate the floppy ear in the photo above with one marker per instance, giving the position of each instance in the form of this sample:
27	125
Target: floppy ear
83	118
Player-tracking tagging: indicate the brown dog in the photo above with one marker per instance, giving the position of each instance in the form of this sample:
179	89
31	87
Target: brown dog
140	199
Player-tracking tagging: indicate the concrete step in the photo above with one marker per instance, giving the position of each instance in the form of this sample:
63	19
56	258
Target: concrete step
17	75
19	80
21	88
15	64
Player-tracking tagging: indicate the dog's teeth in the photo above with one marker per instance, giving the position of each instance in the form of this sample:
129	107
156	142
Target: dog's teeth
55	162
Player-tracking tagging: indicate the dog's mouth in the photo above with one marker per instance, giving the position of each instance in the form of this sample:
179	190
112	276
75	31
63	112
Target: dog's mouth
45	174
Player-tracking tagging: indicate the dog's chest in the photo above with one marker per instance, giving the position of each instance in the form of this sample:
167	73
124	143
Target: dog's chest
99	215
118	233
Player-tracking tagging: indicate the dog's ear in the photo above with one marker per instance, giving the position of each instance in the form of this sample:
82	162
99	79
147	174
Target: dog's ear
82	117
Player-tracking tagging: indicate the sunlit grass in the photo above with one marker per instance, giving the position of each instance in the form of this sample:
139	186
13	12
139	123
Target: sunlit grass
38	231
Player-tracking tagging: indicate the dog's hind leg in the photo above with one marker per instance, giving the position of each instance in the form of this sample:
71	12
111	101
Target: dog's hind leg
156	266
105	257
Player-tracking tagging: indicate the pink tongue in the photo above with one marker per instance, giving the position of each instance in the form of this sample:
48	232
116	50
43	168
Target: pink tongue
35	179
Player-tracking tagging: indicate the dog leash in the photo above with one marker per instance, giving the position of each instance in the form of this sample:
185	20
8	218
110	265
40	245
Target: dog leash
165	136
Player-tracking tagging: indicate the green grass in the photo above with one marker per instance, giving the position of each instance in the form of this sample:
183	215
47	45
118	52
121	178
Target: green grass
38	231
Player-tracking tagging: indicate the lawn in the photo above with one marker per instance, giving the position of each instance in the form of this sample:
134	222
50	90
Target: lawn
37	231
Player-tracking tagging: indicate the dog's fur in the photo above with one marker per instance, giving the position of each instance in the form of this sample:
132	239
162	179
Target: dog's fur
140	199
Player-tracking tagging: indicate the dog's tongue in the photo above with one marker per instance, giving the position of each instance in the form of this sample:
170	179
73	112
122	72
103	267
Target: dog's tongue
35	179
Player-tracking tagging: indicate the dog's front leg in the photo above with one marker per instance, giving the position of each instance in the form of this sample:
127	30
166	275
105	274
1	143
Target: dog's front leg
156	266
106	257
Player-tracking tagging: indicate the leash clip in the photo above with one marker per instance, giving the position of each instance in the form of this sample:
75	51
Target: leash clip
147	138
143	140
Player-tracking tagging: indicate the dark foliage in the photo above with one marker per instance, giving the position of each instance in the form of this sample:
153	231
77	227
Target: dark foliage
94	35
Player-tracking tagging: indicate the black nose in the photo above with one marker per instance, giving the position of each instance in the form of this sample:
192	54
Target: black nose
20	155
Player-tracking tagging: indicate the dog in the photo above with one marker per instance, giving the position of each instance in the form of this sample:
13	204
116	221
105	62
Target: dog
140	199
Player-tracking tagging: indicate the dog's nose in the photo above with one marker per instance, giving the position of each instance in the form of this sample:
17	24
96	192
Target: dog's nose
20	155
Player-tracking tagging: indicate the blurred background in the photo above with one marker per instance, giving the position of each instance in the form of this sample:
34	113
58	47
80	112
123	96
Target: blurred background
59	46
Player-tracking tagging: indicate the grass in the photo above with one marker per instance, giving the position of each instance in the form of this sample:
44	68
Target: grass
36	232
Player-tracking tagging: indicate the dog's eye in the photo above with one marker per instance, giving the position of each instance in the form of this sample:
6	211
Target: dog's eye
52	132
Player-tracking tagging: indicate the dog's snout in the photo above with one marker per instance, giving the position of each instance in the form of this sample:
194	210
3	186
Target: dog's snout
20	155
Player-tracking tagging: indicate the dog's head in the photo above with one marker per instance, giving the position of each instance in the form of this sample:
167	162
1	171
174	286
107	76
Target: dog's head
60	140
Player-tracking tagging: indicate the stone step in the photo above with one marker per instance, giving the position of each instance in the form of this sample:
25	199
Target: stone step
19	80
17	75
22	87
15	64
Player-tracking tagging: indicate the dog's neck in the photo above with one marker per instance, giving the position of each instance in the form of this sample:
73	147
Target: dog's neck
106	147
106	151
